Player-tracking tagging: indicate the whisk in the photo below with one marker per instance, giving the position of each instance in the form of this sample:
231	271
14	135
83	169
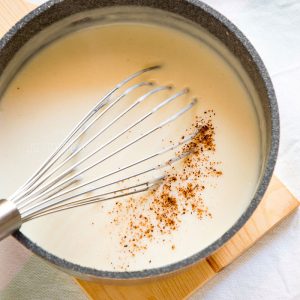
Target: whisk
61	184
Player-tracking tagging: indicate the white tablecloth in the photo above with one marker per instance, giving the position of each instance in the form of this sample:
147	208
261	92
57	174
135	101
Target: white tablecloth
270	269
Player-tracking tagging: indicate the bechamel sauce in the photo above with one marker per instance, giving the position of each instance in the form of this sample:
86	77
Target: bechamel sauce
58	86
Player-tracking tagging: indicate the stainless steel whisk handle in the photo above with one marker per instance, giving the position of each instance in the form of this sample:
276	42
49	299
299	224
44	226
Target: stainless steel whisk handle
10	218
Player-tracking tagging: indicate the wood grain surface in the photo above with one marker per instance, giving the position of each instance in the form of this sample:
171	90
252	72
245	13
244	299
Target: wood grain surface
276	205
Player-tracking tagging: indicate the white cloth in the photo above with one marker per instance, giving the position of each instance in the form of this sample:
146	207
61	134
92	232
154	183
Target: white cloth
271	269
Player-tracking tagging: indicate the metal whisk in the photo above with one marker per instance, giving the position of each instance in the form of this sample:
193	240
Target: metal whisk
60	183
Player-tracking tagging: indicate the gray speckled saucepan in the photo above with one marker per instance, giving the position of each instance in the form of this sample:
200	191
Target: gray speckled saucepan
199	14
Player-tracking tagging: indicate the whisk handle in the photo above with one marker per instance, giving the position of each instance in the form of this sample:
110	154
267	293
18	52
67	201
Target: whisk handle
10	218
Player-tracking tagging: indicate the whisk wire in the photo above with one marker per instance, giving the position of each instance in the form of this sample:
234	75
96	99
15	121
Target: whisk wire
93	200
59	182
102	102
160	166
155	109
35	184
51	186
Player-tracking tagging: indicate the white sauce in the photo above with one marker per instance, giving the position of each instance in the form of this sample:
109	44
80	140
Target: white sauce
59	85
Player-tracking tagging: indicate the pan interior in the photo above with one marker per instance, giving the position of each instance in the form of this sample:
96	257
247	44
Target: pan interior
62	72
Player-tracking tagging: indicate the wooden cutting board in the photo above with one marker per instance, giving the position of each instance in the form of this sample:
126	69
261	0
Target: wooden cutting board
276	205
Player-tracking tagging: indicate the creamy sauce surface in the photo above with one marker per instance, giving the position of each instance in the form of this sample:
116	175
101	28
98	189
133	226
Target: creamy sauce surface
59	85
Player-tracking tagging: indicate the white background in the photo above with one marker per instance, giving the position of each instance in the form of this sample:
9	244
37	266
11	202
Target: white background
271	269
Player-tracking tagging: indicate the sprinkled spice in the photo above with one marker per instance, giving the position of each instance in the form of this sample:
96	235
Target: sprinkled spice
161	211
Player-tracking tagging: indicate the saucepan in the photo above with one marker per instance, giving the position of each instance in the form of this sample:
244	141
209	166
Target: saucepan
58	18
